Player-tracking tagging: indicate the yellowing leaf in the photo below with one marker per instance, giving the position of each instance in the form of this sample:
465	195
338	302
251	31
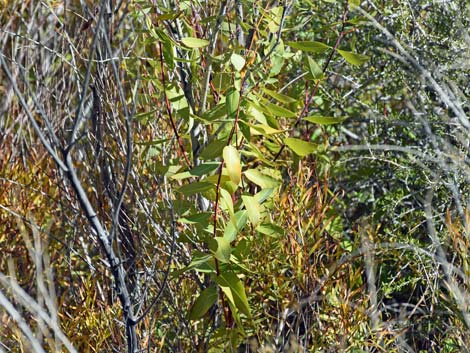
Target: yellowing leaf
353	58
324	120
262	129
232	163
264	181
300	147
192	42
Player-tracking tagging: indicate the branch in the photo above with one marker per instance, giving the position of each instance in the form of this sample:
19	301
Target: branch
28	112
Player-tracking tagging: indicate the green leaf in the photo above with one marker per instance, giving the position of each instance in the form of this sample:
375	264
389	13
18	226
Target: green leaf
214	179
232	101
213	149
263	195
226	203
216	112
194	188
232	163
335	227
315	69
309	46
221	248
168	54
237	61
203	303
255	112
168	16
253	208
279	96
270	229
200	262
234	290
198	218
354	3
145	117
192	42
228	185
200	170
353	58
261	129
231	231
347	245
279	111
300	147
264	181
324	120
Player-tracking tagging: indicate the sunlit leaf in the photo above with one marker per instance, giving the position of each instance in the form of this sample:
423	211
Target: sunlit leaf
315	69
214	178
229	185
324	120
253	208
279	96
192	42
347	245
231	230
261	129
237	61
354	3
264	181
300	147
353	58
279	111
255	112
221	248
263	195
232	163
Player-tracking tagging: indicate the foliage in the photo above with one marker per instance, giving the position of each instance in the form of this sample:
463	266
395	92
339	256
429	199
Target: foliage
234	175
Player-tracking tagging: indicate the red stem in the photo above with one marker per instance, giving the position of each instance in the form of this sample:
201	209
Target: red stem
317	85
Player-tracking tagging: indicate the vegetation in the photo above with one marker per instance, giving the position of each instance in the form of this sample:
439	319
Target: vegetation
234	176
